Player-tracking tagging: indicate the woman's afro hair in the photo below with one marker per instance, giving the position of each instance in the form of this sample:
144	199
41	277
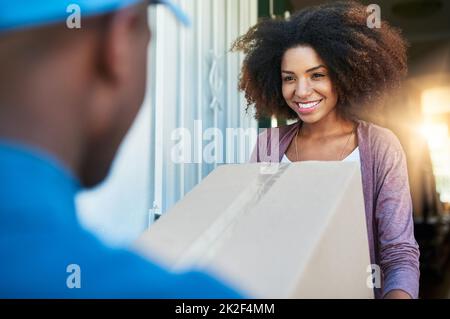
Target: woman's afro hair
364	63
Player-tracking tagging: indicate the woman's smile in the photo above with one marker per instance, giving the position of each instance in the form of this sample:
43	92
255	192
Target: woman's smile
308	106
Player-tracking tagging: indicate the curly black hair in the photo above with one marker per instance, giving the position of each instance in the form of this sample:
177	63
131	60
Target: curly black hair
364	63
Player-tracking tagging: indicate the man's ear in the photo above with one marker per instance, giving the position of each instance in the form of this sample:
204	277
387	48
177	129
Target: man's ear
112	63
118	35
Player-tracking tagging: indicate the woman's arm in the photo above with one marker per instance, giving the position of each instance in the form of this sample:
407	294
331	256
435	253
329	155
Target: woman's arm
397	248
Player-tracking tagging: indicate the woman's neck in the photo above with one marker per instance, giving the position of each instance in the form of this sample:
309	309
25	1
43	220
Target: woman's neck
330	125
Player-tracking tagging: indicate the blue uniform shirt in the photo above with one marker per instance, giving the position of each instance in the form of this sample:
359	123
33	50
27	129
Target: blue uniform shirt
40	237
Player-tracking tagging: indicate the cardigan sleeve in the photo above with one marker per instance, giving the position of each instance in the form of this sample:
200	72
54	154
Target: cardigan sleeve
398	249
259	147
267	146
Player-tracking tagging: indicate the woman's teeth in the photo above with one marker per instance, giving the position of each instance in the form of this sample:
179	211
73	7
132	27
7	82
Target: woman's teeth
308	105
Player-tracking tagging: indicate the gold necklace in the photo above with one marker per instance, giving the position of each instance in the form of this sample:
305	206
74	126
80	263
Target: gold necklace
343	150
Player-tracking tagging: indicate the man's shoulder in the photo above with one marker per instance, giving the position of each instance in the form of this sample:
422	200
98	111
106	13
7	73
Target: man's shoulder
51	261
70	262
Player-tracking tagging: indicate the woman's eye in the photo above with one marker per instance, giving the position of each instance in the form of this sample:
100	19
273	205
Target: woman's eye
317	75
288	78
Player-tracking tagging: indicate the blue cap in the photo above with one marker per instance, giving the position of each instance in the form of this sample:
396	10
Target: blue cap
19	14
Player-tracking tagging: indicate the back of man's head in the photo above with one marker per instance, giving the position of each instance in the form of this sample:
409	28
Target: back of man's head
75	92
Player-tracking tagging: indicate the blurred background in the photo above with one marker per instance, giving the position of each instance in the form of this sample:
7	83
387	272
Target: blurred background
193	85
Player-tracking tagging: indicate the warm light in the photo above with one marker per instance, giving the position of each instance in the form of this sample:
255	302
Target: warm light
436	101
435	109
436	135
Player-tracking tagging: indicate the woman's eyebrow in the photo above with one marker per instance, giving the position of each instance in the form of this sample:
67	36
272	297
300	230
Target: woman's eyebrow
315	68
307	71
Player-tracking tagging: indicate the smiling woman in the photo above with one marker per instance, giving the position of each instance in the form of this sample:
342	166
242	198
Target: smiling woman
323	67
306	84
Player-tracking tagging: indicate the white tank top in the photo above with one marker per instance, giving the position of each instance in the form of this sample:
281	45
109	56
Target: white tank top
352	157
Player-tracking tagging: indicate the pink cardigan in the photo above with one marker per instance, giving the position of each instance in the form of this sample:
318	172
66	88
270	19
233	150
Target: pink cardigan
387	199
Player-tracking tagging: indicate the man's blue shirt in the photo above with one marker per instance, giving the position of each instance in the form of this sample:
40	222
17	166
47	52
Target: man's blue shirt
40	237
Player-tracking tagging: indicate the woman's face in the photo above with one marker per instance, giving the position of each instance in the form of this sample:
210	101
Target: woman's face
306	84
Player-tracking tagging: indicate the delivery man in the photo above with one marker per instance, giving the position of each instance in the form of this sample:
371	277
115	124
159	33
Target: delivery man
68	95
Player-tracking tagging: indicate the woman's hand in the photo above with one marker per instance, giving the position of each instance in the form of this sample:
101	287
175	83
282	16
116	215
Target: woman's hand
397	294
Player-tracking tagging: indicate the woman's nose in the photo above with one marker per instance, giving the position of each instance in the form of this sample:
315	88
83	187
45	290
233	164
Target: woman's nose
303	89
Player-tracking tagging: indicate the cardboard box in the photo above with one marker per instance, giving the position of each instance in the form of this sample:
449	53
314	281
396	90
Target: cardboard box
285	231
